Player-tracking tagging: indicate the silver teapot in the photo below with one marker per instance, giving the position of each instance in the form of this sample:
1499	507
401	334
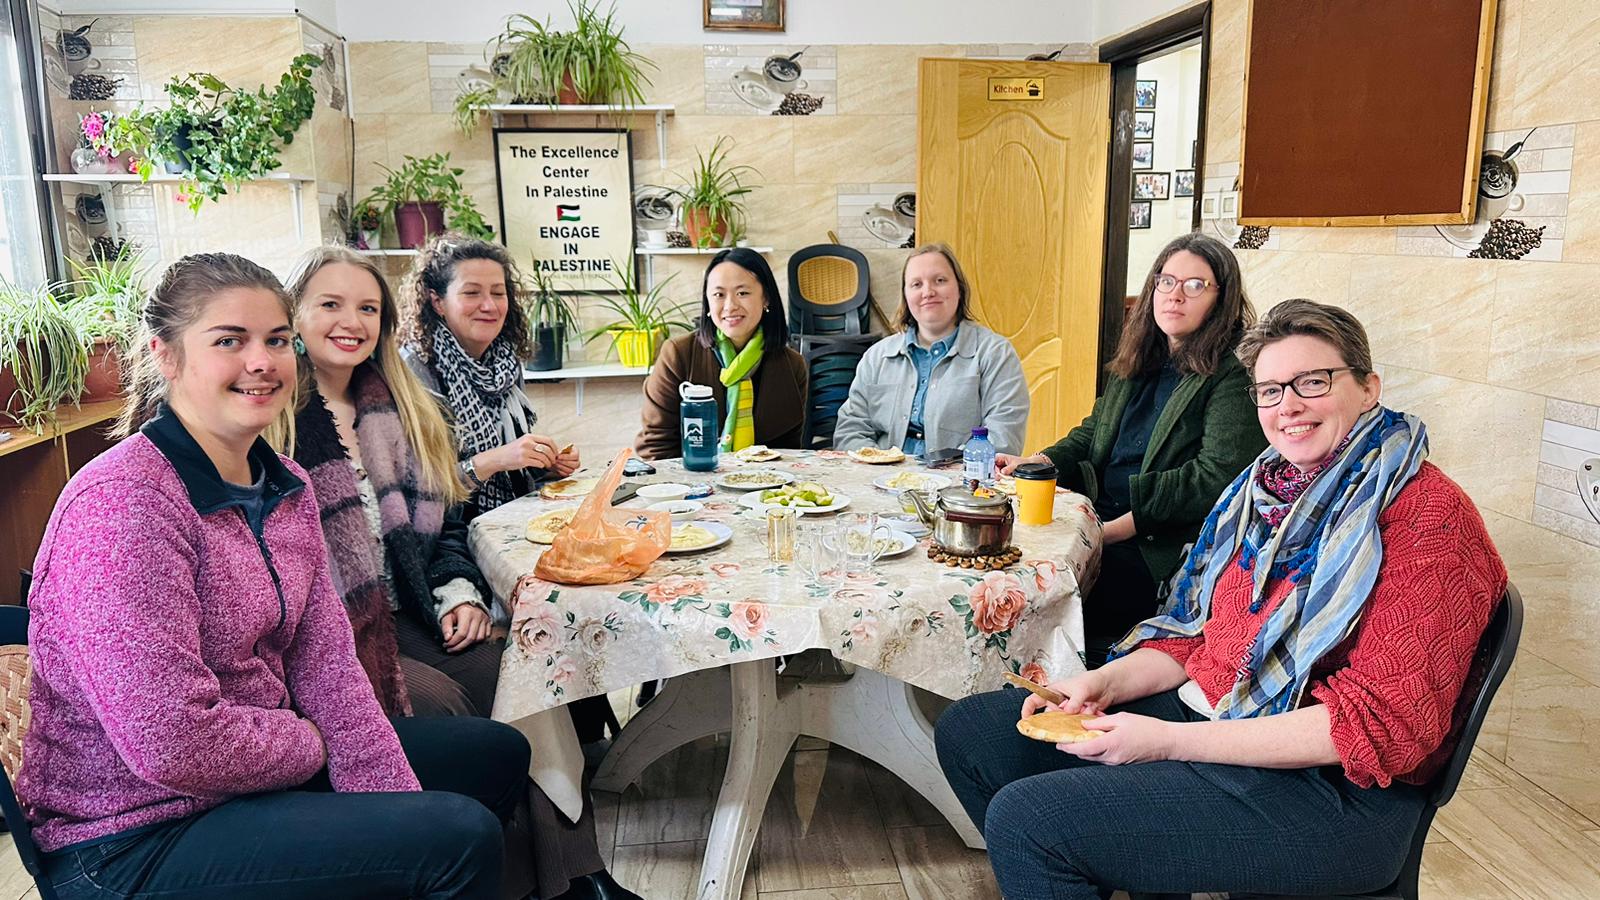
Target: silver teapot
966	522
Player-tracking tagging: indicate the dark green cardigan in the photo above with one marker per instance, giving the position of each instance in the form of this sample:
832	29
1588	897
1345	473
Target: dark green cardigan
1205	435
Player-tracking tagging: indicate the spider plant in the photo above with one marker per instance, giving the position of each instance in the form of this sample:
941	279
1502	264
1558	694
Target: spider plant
108	297
643	318
42	353
713	197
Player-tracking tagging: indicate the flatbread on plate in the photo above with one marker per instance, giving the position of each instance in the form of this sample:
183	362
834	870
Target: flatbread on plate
688	537
877	457
757	454
568	488
1058	727
543	528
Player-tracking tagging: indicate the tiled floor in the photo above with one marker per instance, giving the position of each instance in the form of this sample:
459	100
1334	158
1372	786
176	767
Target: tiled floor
840	828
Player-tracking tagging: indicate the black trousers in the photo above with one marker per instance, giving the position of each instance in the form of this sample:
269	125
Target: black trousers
1123	596
442	842
1064	828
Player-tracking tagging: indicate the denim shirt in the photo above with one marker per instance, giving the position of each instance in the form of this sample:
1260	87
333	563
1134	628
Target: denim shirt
924	360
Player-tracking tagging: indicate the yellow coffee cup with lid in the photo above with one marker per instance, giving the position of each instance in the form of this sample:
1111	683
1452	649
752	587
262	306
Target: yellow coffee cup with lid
1036	493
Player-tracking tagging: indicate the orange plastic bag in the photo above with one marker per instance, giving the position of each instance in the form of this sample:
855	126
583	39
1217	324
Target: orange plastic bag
604	545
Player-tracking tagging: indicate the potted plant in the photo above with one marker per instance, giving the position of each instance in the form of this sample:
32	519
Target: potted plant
534	63
420	193
643	318
107	303
216	136
367	220
713	205
43	362
93	156
551	319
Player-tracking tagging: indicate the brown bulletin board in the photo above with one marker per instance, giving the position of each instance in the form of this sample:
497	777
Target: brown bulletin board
1364	112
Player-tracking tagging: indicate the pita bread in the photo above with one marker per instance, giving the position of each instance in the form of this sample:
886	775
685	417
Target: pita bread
876	456
1058	727
545	526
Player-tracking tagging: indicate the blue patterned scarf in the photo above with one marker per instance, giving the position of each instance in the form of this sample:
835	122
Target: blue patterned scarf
1327	544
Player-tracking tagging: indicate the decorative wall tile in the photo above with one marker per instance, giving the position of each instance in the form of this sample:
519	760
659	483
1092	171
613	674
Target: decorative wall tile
736	83
1571	435
861	204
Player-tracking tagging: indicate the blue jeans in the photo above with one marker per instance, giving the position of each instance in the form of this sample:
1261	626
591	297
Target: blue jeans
312	843
1059	827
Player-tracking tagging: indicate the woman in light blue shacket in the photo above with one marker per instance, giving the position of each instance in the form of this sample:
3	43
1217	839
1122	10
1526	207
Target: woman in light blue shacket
927	386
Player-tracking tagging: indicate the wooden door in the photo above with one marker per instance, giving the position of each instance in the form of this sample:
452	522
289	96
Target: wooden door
1018	188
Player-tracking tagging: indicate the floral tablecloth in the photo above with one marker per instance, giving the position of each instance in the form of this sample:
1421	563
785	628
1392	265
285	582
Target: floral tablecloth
949	631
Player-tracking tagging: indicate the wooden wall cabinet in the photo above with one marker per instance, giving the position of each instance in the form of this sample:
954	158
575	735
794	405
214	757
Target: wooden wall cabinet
33	470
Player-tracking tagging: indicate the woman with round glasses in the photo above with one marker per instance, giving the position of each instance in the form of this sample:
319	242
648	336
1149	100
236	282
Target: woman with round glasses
1297	691
1173	427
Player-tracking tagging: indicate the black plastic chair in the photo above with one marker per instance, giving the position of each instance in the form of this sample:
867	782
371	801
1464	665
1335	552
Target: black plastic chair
1496	649
14	630
829	292
831	368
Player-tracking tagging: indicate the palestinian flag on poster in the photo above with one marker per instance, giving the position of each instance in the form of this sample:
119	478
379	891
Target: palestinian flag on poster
565	213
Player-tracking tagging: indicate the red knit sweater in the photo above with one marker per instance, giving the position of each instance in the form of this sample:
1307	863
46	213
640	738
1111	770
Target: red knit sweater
1390	687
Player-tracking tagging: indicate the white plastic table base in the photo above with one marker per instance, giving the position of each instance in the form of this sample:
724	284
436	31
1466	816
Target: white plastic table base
870	713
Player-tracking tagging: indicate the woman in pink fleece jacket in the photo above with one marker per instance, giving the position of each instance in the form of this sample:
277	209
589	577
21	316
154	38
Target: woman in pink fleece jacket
201	726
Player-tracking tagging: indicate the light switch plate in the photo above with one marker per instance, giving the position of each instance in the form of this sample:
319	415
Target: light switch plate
1589	485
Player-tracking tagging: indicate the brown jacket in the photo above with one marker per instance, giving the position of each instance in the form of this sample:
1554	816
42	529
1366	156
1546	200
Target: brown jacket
780	383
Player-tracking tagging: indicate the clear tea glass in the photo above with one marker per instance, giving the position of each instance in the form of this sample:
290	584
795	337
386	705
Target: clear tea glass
863	540
781	524
817	552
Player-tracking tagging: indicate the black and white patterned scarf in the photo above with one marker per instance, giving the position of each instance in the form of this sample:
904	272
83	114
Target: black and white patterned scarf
484	396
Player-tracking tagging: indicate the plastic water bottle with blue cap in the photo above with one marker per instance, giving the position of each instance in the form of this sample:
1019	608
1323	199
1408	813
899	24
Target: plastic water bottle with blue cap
977	457
698	424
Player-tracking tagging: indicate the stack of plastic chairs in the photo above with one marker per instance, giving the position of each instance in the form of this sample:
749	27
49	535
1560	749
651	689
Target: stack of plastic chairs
830	306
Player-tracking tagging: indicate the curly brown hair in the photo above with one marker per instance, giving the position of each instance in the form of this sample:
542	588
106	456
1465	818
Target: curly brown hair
430	277
1143	349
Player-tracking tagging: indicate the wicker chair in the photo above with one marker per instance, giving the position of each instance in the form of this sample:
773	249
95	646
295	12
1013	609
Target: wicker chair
14	720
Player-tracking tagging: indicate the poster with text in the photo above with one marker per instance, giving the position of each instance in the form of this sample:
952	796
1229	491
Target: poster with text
566	203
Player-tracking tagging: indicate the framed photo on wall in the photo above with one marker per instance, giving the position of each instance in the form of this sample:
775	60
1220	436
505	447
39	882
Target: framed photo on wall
1139	214
1144	95
1152	185
743	15
1183	183
1144	155
1144	126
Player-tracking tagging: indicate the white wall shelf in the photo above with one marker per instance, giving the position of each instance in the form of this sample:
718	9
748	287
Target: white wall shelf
650	254
660	111
295	183
582	372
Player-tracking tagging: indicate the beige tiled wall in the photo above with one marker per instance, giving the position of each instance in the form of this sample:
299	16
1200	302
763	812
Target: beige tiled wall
1488	353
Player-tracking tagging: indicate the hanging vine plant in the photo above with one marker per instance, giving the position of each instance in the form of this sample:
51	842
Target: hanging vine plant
214	135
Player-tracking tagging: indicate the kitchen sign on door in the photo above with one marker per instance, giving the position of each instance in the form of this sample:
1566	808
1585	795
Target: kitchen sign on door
566	203
1016	89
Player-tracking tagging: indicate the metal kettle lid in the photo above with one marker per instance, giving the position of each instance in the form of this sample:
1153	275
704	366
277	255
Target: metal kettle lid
963	499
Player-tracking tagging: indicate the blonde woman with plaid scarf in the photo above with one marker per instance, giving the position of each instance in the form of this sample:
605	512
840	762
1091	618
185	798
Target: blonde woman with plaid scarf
1268	731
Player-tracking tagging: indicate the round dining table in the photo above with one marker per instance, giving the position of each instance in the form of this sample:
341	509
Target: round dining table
719	624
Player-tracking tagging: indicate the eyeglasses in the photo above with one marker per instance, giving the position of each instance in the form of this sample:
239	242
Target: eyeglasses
1192	287
1315	383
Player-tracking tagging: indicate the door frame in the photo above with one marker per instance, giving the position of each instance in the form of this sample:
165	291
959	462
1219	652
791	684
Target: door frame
1123	54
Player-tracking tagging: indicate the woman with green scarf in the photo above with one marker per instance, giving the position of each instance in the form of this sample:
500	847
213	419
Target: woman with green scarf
740	350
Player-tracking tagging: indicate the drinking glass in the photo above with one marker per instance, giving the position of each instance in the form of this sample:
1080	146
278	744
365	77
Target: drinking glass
781	522
859	536
817	552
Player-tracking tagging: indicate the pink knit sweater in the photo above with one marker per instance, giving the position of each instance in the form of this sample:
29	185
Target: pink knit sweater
167	678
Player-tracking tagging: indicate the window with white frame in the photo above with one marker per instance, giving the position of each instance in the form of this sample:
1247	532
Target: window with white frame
22	256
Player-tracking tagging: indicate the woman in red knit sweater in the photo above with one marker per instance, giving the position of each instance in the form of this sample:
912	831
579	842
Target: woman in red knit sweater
1269	730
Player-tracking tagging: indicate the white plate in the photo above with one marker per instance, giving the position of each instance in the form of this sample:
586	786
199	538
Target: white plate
778	479
752	500
679	510
721	535
663	490
904	543
927	481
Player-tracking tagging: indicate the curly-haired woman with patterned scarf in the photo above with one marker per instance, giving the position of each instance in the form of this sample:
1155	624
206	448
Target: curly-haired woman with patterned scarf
1268	731
382	460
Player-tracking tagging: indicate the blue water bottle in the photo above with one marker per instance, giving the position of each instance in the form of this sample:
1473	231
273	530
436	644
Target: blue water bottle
977	457
697	419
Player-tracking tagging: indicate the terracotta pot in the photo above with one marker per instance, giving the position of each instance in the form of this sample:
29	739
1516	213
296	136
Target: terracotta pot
698	222
416	222
105	373
9	404
568	95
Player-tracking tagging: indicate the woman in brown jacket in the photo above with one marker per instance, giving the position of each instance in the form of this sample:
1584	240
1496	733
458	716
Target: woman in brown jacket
740	348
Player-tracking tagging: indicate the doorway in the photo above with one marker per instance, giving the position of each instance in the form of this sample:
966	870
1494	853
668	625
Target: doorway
1158	115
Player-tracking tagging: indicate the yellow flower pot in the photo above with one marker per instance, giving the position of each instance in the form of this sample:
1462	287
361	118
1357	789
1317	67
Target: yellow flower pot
637	349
